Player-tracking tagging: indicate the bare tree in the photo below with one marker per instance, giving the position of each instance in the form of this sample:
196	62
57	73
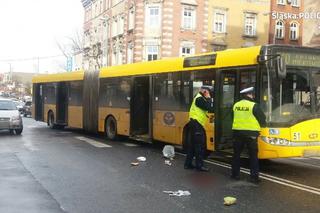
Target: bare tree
73	45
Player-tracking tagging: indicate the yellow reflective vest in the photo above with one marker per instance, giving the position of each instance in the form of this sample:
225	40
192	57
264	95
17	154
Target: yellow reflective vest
197	113
243	116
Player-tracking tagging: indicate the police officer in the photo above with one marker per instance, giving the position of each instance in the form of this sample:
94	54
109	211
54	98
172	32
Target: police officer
247	120
196	143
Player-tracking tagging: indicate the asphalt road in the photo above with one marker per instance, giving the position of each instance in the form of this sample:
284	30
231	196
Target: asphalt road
46	170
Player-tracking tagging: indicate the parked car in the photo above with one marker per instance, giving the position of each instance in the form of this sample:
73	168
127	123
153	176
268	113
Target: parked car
19	105
27	108
10	117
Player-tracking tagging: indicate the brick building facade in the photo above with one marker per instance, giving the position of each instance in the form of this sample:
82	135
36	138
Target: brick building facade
286	26
127	31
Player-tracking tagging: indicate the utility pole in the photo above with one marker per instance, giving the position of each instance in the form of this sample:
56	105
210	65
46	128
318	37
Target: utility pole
10	73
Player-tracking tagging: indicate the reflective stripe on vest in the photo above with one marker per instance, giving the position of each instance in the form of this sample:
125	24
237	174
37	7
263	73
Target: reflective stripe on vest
197	113
243	116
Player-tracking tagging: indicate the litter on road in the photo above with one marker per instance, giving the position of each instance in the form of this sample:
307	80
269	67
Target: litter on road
168	151
134	163
229	201
178	193
141	159
167	162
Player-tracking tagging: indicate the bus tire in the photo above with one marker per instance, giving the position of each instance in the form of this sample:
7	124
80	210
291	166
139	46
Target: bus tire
51	120
110	128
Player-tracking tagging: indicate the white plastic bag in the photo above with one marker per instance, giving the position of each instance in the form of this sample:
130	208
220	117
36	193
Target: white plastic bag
168	151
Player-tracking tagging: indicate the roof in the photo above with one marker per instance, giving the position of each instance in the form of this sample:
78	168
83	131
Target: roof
226	58
59	77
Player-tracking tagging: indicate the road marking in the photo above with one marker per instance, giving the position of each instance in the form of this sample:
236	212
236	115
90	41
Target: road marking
130	144
93	142
271	178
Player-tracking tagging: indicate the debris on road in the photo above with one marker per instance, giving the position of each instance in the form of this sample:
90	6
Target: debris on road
168	151
229	201
178	193
167	162
134	163
141	159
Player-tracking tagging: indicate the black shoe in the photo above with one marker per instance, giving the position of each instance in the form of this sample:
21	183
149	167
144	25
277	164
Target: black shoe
254	180
189	167
203	169
235	177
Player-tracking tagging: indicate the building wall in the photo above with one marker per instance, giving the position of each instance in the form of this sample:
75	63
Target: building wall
167	37
235	10
276	10
311	26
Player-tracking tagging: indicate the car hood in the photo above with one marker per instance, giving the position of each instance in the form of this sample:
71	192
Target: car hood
8	113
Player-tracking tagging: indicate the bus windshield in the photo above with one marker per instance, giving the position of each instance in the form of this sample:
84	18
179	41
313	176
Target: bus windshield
295	98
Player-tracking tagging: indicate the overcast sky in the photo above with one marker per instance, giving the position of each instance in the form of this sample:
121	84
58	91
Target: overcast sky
30	29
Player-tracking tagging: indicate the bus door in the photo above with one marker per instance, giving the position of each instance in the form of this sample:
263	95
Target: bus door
223	120
38	102
140	108
62	103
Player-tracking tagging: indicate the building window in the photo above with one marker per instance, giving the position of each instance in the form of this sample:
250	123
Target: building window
119	60
187	48
120	25
131	19
294	31
114	27
153	17
130	53
295	3
220	21
218	47
114	57
188	17
152	52
282	2
280	29
250	24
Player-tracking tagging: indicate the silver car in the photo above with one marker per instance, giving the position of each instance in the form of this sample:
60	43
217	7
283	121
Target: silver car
10	117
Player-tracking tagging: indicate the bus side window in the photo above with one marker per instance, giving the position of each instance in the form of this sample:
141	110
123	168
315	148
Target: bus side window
247	79
168	91
201	78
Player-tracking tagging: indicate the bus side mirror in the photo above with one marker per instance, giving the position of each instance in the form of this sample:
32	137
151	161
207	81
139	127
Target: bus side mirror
280	67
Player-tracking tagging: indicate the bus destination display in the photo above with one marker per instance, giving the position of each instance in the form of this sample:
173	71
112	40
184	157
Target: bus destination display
301	59
204	60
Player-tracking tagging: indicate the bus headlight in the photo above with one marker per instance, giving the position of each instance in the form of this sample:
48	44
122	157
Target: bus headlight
276	141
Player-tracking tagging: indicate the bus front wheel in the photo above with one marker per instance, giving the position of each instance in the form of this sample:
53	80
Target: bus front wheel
111	128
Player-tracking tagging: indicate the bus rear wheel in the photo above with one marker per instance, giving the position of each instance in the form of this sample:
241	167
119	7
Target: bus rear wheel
110	128
51	120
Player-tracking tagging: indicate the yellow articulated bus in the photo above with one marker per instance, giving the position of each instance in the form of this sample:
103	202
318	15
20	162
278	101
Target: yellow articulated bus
149	101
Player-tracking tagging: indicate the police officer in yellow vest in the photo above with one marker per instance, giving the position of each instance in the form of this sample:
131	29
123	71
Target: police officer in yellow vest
196	144
247	120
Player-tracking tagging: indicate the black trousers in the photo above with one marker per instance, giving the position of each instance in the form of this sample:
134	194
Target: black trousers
195	144
251	142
